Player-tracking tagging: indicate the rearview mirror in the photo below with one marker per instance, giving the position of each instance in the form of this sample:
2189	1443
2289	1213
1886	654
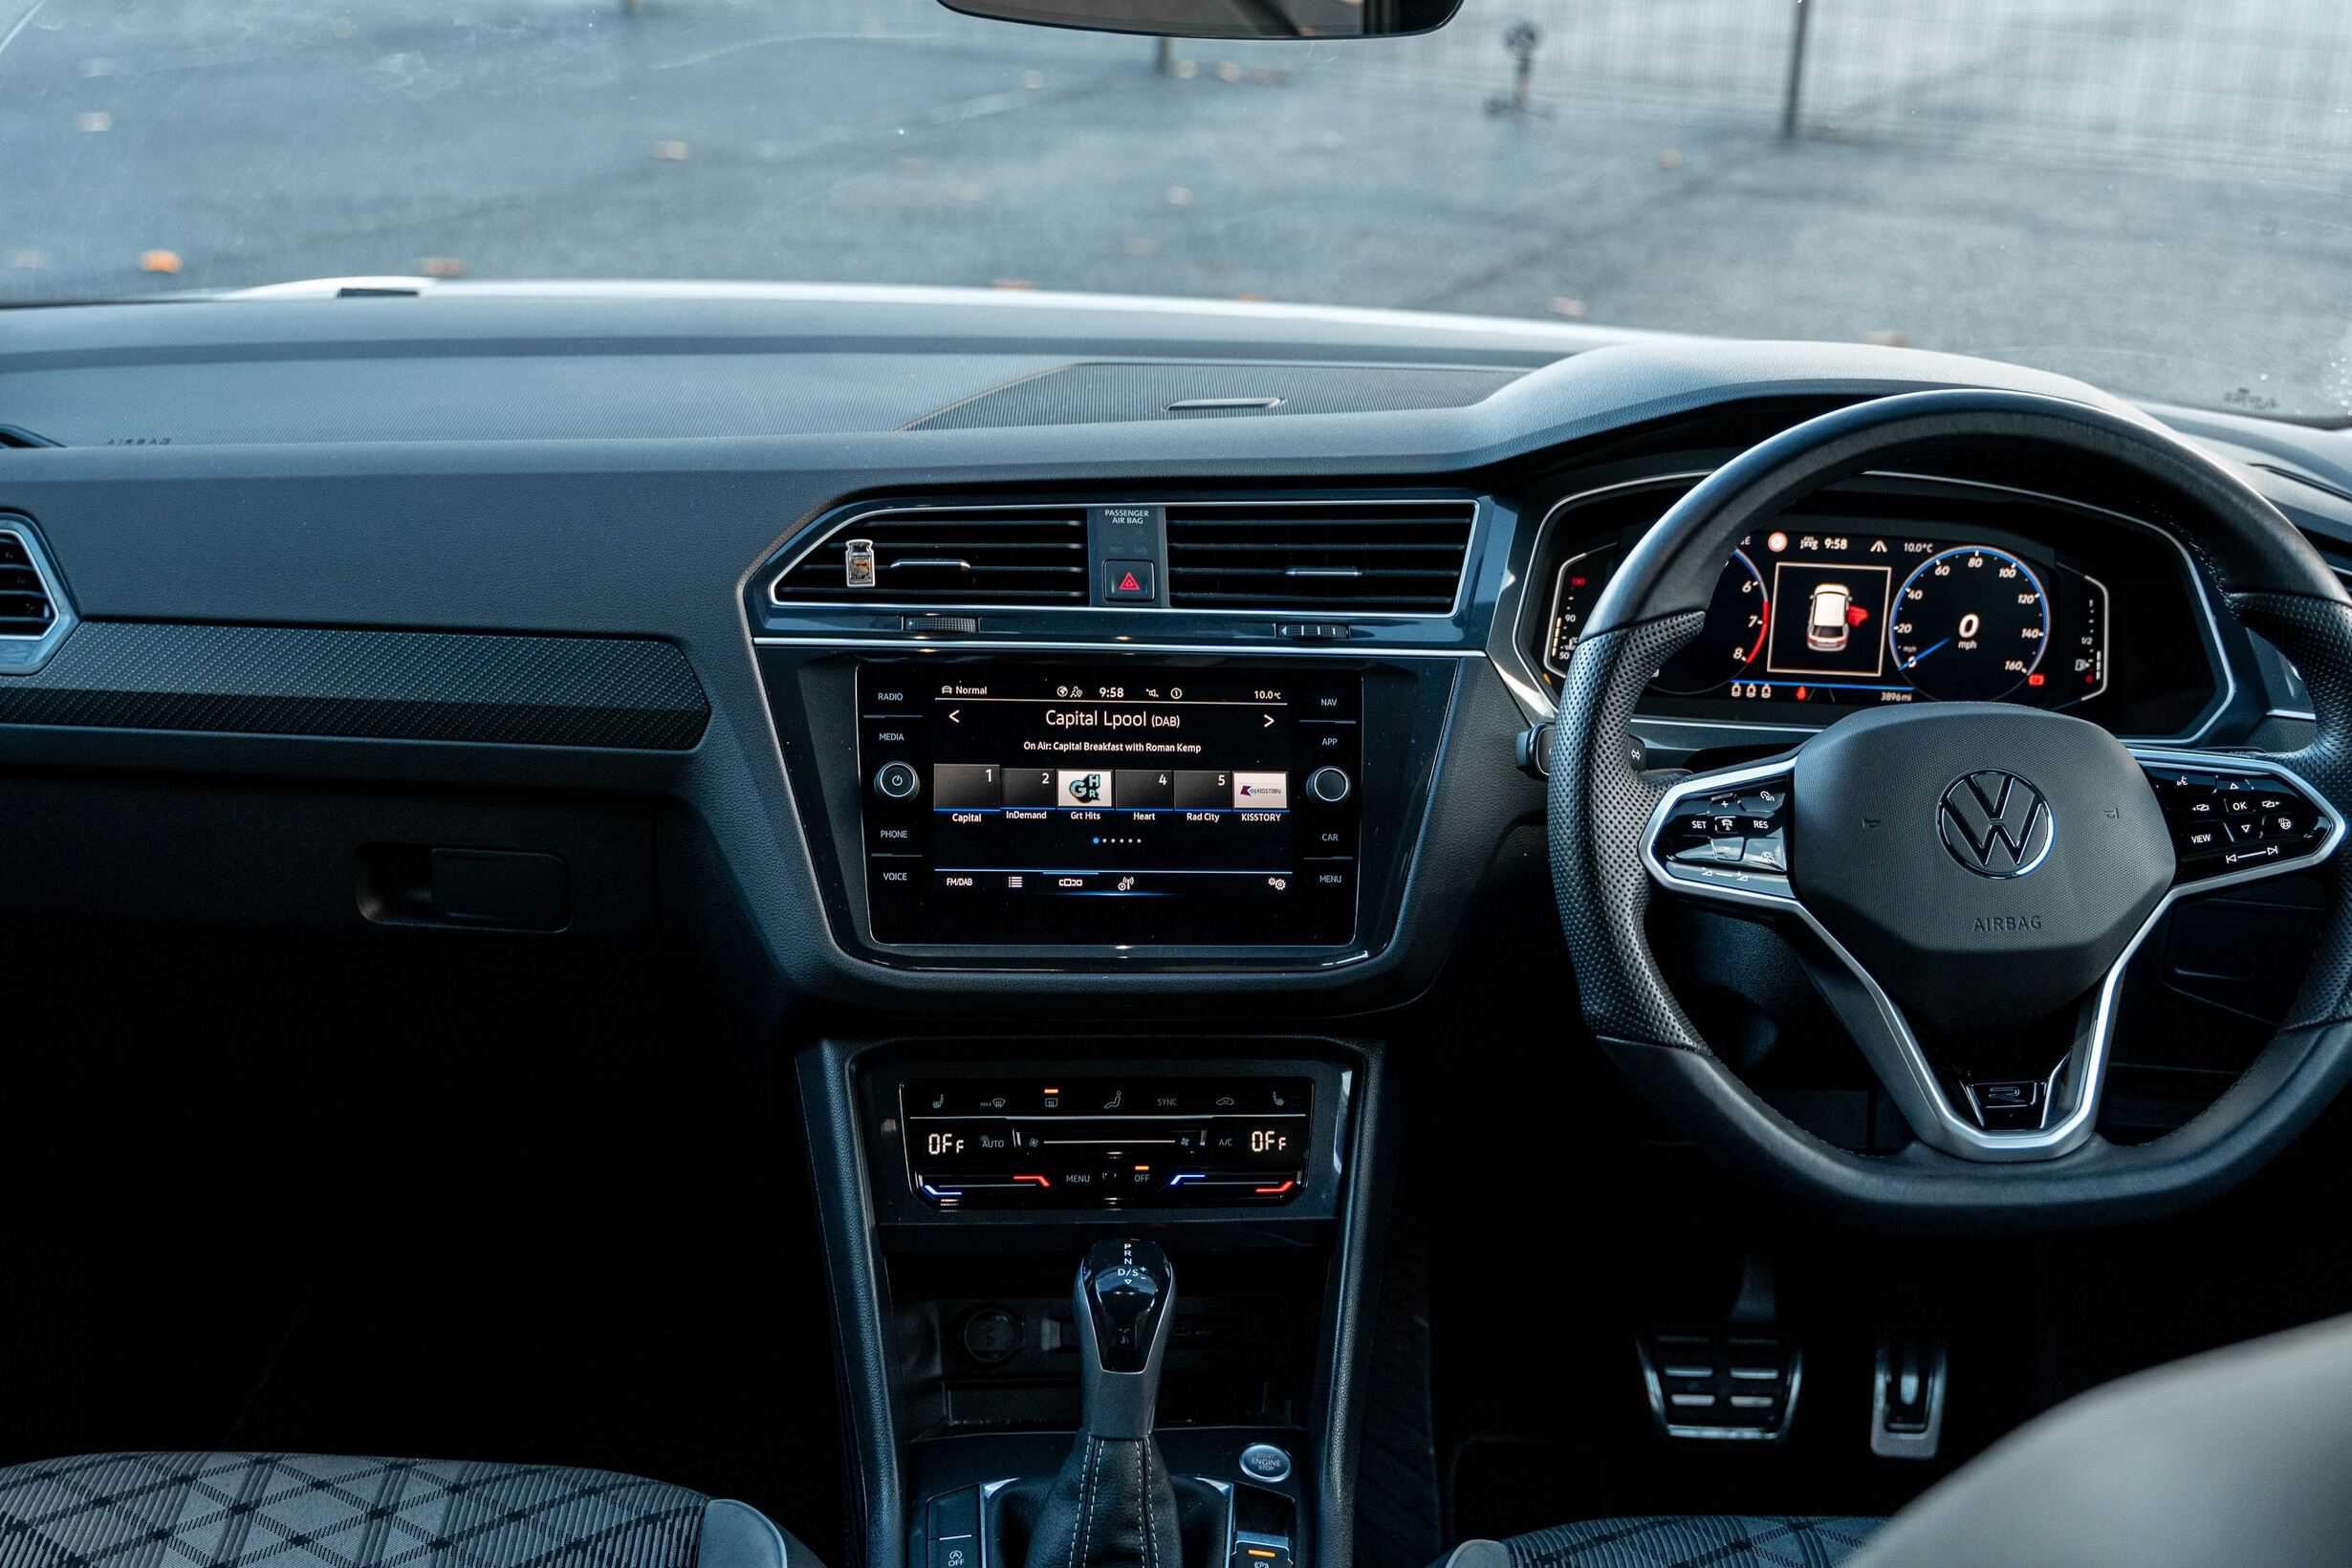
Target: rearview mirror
1224	18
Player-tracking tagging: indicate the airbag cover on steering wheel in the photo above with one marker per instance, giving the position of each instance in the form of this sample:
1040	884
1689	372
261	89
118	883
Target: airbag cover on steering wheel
2008	903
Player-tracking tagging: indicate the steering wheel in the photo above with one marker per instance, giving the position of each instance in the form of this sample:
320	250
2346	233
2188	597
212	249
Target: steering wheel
1969	880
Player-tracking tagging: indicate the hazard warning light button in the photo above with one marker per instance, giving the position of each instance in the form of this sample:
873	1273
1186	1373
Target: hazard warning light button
1133	580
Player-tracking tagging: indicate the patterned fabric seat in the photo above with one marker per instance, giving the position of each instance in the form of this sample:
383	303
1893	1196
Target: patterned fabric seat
1723	1541
305	1511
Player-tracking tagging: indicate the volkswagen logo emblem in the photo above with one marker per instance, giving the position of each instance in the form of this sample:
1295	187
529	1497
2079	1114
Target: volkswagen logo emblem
1995	823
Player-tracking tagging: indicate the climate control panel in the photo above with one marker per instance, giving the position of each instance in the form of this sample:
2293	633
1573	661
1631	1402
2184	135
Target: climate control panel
1107	1143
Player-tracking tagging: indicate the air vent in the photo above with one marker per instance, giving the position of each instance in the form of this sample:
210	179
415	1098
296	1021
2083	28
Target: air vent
1402	556
965	555
27	608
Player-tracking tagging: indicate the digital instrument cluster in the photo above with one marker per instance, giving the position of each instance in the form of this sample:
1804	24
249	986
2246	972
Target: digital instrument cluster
1813	615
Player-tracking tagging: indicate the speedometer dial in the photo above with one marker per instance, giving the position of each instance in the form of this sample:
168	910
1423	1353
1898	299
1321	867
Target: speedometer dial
1969	624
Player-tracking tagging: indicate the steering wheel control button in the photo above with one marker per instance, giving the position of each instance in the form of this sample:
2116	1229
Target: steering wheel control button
1130	582
1329	785
1733	839
1729	837
2227	823
897	781
1264	1461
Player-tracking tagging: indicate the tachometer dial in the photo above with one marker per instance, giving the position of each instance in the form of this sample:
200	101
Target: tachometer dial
1737	619
1969	624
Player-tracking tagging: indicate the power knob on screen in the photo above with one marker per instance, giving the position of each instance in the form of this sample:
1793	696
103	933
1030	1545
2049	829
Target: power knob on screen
897	781
1328	785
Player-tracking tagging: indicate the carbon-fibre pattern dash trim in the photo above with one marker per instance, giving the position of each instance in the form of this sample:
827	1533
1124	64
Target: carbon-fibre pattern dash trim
512	691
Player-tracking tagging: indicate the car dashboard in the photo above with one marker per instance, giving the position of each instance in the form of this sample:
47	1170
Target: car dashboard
1090	750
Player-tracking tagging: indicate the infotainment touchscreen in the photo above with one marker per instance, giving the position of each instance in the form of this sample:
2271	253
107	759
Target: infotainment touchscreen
1030	804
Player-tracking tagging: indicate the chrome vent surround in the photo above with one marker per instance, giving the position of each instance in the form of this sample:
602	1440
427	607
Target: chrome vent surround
1398	557
28	601
963	555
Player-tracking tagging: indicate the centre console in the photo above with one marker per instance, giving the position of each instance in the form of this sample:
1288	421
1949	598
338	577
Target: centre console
960	1180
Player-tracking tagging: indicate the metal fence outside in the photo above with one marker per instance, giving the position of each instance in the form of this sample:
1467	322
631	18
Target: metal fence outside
2227	86
2258	86
2261	87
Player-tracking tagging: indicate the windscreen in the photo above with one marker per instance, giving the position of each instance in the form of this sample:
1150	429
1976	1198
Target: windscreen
2147	193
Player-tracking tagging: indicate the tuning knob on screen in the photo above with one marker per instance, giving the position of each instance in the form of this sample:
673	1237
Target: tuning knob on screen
1328	785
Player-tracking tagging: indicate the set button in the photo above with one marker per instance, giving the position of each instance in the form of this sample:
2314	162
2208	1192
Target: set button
1734	838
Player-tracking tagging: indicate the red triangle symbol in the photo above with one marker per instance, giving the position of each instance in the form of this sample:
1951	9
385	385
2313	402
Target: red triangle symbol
1128	585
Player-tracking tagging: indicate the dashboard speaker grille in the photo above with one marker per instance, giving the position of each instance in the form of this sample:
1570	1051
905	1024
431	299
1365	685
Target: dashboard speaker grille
974	555
1342	555
28	608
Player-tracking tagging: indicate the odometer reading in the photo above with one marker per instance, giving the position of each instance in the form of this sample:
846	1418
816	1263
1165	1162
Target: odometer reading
1969	624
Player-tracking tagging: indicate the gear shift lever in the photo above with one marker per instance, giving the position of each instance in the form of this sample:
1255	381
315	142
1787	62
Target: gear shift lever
1112	1506
1126	1293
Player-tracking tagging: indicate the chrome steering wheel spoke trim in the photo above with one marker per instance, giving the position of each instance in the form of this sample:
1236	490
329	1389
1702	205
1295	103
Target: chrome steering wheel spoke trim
1697	844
